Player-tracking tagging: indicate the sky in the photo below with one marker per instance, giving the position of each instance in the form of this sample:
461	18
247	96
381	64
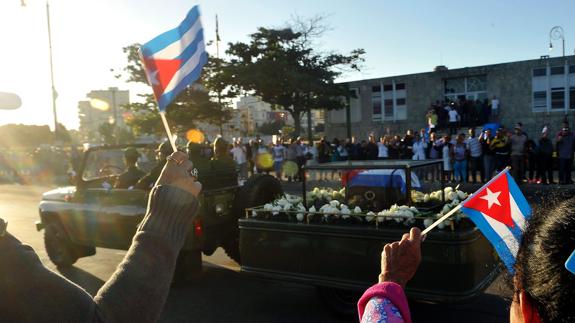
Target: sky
399	37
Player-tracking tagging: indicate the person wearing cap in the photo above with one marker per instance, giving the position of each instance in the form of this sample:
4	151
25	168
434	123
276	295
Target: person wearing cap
545	158
132	175
147	182
518	144
501	148
565	146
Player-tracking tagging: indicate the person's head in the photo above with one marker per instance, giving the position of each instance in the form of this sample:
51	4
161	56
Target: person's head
471	132
544	288
565	127
409	132
194	150
544	132
164	150
220	148
488	133
432	136
131	156
460	138
446	138
517	129
500	132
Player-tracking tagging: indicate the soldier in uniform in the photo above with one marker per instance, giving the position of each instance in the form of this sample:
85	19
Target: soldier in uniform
148	181
132	175
201	163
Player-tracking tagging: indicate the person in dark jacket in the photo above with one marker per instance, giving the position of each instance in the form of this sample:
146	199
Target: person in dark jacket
136	291
545	158
147	182
565	146
132	175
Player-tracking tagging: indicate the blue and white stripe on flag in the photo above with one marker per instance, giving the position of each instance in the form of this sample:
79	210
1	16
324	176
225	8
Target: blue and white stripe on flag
501	212
174	59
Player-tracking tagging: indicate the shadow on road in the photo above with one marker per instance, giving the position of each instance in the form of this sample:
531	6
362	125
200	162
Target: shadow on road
83	278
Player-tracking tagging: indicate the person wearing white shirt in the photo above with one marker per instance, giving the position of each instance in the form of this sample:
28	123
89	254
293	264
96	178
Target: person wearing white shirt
382	151
239	155
453	119
419	146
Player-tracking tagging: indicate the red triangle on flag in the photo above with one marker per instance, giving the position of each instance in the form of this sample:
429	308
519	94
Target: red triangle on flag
160	72
494	201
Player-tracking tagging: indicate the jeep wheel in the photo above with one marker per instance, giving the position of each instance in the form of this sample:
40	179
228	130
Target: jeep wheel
258	190
340	301
58	246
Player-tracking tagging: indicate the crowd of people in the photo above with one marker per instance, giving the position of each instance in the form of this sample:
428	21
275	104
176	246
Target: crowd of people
463	112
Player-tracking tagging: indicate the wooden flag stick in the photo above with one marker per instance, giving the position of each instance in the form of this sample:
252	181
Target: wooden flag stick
441	219
168	131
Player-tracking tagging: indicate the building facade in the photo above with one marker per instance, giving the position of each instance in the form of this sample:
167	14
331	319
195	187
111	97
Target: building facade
534	92
102	106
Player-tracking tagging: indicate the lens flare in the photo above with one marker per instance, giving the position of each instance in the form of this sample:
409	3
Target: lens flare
195	136
264	161
289	168
99	104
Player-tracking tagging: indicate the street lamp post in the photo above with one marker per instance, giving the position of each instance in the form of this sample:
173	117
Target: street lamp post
557	33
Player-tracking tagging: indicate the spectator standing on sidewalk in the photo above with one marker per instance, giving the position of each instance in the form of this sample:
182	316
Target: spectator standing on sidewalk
495	108
342	150
382	151
453	119
239	155
371	149
419	147
501	149
488	156
565	143
431	120
279	153
531	157
459	155
476	157
518	145
545	158
446	155
292	155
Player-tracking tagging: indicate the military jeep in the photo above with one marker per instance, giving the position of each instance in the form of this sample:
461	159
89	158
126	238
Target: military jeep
94	213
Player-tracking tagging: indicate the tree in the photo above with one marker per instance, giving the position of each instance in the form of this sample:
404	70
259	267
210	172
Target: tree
282	67
197	103
271	128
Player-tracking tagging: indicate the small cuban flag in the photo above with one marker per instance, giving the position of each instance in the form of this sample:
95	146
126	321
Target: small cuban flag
175	59
570	264
500	211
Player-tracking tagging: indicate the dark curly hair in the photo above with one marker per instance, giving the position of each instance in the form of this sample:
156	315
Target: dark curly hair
540	270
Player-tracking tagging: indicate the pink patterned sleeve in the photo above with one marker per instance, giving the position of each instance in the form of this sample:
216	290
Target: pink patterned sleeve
384	302
381	310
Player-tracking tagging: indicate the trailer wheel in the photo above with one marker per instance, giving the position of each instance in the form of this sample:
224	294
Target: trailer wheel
58	246
258	190
340	301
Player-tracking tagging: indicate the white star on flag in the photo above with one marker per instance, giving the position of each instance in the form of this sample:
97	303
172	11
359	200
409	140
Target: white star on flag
153	77
491	198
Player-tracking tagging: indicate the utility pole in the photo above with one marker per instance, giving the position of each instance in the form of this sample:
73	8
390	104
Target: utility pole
54	93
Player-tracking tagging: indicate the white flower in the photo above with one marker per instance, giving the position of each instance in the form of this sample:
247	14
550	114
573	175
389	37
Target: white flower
312	209
461	195
334	203
441	225
287	207
254	213
345	211
276	210
316	190
300	217
370	216
427	222
357	209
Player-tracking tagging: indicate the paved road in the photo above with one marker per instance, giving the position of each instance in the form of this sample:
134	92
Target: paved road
221	293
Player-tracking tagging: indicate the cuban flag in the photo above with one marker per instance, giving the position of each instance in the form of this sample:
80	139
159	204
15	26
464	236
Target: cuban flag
570	264
175	59
501	212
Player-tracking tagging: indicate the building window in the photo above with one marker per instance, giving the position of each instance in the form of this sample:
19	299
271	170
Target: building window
376	89
400	101
455	85
540	71
388	88
400	86
572	98
476	84
388	109
557	70
571	69
376	103
558	98
539	100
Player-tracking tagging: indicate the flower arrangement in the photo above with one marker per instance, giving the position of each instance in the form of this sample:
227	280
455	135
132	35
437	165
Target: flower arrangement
334	210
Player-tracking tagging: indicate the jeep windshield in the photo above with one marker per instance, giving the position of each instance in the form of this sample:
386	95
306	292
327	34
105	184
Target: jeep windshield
110	162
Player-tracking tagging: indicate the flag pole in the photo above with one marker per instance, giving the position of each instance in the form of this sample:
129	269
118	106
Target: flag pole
455	209
168	131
